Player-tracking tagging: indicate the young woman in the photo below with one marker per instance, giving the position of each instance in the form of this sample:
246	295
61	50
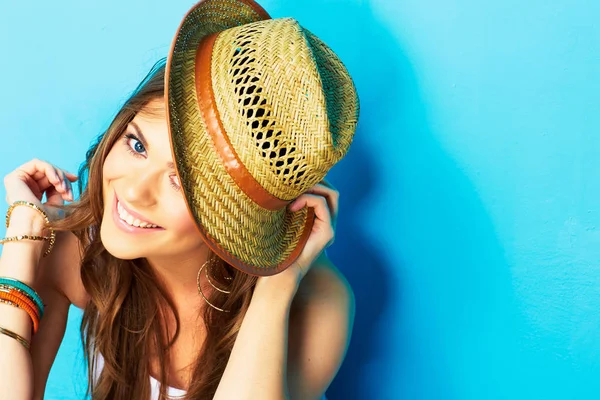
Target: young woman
200	268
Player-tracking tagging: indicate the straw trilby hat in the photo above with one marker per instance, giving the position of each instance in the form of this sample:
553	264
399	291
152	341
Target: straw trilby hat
259	110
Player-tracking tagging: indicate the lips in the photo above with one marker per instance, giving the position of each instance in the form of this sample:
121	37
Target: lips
125	225
131	219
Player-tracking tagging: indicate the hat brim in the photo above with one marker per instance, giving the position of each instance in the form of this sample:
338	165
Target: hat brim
252	239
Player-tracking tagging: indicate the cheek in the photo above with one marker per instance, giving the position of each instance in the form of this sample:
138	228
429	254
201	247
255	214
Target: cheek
183	222
113	163
183	233
109	169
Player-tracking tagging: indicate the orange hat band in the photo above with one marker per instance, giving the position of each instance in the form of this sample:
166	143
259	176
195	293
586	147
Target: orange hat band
206	103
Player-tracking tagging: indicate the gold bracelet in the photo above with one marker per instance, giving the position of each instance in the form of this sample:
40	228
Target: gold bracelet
51	238
30	237
28	204
23	237
15	336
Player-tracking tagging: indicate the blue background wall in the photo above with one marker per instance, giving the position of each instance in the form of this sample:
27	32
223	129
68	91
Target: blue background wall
469	223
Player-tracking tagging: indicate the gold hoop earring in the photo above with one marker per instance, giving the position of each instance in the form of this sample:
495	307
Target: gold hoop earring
200	289
213	285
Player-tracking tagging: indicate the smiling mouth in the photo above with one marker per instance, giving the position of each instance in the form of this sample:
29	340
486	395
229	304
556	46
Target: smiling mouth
129	219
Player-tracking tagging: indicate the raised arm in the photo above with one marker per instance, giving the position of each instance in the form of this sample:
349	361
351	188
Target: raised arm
312	319
21	261
315	327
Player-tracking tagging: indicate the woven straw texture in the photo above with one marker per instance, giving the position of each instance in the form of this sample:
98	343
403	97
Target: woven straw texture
272	98
289	109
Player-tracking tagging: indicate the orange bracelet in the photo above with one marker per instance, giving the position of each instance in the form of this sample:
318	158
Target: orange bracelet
23	297
25	305
16	305
17	302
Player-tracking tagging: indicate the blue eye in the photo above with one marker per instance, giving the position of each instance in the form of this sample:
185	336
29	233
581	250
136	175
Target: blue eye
137	149
138	146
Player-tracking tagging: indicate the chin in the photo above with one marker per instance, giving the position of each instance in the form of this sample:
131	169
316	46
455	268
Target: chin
119	250
115	244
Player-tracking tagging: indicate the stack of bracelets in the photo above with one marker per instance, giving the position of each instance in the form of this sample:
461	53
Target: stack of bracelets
16	293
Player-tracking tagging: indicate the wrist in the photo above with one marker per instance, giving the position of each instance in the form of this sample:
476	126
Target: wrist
25	221
282	286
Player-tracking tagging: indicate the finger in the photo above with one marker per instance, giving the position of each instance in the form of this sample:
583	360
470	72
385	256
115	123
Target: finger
46	182
327	183
69	177
72	177
54	197
36	170
332	196
66	184
35	174
61	180
37	166
318	203
44	176
58	180
53	191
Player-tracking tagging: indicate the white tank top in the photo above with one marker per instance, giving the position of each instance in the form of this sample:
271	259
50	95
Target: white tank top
154	384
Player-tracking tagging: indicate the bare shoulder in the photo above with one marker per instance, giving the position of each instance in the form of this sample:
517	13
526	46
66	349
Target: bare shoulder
323	307
324	285
61	269
321	322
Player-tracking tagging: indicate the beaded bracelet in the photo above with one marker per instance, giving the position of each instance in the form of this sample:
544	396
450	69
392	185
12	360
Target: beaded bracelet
18	303
23	297
25	288
18	292
51	238
23	237
15	336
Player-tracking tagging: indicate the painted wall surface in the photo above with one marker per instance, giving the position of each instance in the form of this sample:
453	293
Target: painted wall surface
470	219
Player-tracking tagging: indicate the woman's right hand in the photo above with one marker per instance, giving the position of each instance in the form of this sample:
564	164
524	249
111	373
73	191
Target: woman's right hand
31	180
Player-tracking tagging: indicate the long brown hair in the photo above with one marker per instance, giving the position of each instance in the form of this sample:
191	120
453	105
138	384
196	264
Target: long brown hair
125	320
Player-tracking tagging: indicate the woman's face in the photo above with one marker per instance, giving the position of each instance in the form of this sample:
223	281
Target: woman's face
141	189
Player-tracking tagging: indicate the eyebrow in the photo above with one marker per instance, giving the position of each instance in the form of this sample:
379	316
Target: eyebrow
145	142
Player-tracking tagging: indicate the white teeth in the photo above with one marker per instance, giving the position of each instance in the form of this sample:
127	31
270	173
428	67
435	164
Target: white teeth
131	220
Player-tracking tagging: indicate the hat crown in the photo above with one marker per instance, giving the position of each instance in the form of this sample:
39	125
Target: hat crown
258	110
286	102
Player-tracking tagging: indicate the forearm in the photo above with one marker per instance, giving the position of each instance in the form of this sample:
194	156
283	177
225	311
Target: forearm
19	261
257	367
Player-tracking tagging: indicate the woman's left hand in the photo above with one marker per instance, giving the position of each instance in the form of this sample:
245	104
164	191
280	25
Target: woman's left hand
324	198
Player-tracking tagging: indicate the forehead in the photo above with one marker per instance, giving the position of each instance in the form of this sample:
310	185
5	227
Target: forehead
154	109
152	118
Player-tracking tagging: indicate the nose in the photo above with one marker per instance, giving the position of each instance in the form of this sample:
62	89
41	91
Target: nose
141	189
